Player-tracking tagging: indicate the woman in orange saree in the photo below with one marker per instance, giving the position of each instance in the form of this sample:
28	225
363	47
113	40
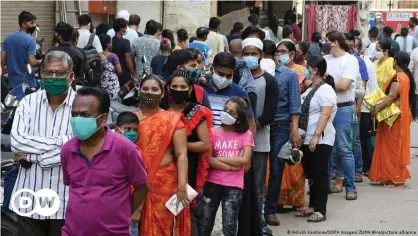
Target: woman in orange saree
162	140
392	152
292	191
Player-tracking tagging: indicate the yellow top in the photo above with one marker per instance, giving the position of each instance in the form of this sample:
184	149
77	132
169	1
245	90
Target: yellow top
177	47
384	71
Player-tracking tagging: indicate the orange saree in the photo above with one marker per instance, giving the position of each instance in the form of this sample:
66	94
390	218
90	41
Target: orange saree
155	134
392	152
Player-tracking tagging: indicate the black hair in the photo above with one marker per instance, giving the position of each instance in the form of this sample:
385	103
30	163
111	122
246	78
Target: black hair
373	32
404	31
155	78
175	59
84	20
402	59
169	34
254	19
182	35
151	27
180	73
191	39
320	63
202	32
289	45
102	29
269	48
26	16
388	31
414	20
242	124
250	30
105	40
101	95
386	45
119	23
226	60
75	35
349	36
289	17
193	54
214	23
64	30
134	19
165	45
287	31
273	24
355	33
316	37
126	117
335	36
238	26
360	42
303	47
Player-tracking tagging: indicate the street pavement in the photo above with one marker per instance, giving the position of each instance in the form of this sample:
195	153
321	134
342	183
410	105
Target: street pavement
378	208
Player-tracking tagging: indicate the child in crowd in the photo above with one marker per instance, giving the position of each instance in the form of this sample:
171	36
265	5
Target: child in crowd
232	146
127	125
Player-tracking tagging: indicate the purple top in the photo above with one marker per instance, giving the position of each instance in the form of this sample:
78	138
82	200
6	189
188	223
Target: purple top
99	196
113	58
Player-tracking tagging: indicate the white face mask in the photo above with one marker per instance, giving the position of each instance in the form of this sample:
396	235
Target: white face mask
221	82
379	55
227	119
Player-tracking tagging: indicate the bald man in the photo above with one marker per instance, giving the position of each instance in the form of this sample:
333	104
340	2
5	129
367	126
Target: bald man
235	46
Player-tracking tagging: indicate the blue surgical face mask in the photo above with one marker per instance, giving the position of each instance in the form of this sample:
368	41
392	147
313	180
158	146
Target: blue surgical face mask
84	127
307	74
251	61
285	59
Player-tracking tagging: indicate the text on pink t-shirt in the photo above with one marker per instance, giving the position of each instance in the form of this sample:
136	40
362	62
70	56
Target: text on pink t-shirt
229	144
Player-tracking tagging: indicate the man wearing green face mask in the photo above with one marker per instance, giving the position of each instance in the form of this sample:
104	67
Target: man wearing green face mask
41	126
127	125
100	166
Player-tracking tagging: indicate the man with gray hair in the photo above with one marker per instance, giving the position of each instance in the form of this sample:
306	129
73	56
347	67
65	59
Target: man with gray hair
40	127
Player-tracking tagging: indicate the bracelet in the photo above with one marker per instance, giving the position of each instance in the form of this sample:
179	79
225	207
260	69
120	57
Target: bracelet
182	190
317	133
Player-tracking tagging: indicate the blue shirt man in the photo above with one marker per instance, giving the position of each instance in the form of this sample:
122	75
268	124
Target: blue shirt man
288	109
18	50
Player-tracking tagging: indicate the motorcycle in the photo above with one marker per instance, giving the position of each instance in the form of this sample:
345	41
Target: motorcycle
8	218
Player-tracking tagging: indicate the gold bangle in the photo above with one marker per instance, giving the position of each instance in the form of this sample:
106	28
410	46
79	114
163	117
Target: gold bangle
317	133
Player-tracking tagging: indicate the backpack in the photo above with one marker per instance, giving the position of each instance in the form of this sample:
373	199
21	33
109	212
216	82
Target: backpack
95	63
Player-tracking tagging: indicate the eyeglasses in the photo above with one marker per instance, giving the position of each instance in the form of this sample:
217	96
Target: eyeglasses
50	73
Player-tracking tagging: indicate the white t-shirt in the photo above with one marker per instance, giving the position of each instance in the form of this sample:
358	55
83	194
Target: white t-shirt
325	96
267	37
268	65
130	35
344	67
83	40
371	83
370	51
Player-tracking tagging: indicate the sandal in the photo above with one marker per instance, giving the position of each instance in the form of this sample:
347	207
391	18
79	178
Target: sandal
317	217
303	213
336	189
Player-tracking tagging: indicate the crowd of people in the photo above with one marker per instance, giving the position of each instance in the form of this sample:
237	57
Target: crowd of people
214	113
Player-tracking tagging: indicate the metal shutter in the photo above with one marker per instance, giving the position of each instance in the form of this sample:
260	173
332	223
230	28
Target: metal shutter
44	12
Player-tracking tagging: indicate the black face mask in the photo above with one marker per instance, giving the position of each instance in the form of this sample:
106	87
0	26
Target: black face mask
179	96
31	30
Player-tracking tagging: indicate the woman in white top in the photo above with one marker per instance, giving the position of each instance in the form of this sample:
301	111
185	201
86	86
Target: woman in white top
406	42
319	106
275	30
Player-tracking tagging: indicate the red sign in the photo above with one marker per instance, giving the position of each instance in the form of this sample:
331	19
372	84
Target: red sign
397	20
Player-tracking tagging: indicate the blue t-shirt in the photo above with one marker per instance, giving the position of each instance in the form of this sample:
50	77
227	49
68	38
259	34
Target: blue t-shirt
202	47
18	46
217	99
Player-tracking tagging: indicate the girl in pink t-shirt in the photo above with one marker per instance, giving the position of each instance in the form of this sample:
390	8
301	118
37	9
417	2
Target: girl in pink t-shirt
232	147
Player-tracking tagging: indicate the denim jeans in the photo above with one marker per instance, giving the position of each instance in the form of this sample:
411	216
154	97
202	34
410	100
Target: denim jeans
358	156
279	135
259	168
343	143
134	229
231	199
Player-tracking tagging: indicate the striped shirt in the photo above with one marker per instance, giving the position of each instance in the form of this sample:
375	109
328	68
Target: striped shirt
40	133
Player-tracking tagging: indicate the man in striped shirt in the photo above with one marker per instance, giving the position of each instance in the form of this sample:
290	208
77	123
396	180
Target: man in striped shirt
40	127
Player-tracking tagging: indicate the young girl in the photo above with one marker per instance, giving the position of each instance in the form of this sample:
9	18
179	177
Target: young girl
232	146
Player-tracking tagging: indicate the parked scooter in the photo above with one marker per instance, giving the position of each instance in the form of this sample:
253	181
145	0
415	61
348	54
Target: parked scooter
8	218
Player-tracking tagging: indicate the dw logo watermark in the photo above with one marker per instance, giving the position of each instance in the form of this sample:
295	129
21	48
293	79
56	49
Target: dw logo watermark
47	202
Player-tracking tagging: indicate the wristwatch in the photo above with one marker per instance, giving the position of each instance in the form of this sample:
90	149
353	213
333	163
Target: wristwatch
316	133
